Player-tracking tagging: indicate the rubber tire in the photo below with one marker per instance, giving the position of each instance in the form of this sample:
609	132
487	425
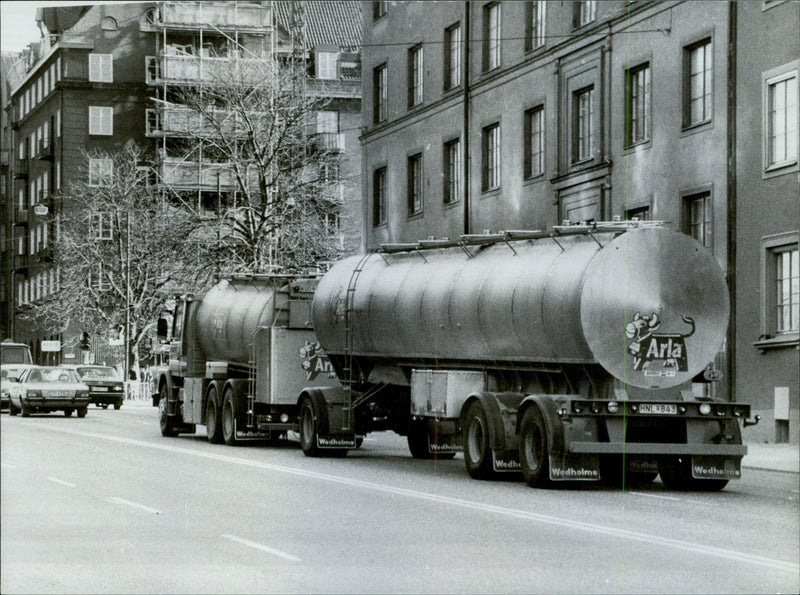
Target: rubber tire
67	412
213	421
676	474
25	410
117	404
533	445
227	421
612	473
105	405
477	447
417	438
308	429
168	429
12	410
82	412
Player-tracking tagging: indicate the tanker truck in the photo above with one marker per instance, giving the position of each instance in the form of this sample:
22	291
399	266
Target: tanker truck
239	356
578	354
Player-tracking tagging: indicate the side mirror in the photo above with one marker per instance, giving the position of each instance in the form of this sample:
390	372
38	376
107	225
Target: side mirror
162	329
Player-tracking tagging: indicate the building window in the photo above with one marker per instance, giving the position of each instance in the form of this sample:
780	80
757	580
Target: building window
452	171
101	120
637	117
379	196
100	171
491	36
97	279
452	57
583	124
782	113
414	184
697	218
535	25
415	73
534	142
101	69
697	68
585	12
109	24
379	9
326	65
380	92
328	121
780	304
490	163
787	290
638	214
102	226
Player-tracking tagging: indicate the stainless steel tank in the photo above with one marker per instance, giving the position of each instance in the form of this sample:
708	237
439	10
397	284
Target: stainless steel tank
229	314
650	305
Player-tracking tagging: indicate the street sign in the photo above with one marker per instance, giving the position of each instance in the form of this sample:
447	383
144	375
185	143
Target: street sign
40	210
51	345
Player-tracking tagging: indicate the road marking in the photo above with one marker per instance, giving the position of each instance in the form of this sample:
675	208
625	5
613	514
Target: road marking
134	504
687	546
652	496
8	465
263	548
62	482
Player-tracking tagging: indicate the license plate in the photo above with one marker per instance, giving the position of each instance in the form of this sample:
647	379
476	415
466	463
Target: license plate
58	393
658	408
100	389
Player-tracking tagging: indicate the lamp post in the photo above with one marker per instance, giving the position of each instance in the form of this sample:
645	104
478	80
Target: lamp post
126	367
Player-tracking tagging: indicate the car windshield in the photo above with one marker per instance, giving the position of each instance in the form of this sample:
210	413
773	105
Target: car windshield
99	373
52	375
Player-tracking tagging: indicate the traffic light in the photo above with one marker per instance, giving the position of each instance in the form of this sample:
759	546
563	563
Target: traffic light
85	342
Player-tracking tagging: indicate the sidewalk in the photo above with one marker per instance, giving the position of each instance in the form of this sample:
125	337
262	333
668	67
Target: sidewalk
773	457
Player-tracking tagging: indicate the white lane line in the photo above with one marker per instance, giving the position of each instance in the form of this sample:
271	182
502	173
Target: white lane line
430	497
263	548
8	465
653	496
134	504
62	482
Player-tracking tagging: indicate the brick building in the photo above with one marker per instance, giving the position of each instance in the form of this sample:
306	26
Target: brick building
520	115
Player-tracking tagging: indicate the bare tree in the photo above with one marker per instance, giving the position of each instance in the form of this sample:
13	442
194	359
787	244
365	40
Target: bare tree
121	252
249	125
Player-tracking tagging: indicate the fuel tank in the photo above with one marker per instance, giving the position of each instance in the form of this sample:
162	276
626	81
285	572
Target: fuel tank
648	304
230	313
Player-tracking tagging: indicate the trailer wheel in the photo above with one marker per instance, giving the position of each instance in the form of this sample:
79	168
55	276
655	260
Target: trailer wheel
229	419
533	455
477	449
213	425
168	428
308	429
676	474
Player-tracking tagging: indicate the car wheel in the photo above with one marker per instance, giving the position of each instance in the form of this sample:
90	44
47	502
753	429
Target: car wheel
11	409
117	404
26	411
67	412
81	412
105	405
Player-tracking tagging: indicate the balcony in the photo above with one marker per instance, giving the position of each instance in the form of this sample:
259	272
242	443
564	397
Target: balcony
222	15
193	175
189	69
20	169
178	121
45	149
329	142
334	88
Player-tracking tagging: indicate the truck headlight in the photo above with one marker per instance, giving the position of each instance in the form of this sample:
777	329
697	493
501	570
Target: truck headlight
612	406
705	408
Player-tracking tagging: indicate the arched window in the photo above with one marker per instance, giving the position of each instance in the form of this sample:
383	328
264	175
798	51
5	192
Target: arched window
108	24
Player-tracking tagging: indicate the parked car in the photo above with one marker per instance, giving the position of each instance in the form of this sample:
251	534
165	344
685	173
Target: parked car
41	389
104	382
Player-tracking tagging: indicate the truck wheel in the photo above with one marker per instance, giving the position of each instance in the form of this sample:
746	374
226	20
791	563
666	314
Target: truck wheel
168	428
533	455
308	429
228	419
213	425
477	450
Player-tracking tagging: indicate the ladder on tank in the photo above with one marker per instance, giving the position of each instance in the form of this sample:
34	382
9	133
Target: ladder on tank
347	368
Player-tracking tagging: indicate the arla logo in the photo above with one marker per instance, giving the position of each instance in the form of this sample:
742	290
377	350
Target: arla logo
657	354
315	362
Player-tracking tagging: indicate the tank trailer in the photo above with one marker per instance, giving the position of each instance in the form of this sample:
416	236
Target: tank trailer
578	354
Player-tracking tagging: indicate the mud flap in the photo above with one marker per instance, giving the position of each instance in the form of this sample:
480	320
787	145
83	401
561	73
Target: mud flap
506	461
716	467
249	435
574	467
336	441
440	442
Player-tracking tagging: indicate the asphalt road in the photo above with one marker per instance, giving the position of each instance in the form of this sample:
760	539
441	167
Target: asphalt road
106	505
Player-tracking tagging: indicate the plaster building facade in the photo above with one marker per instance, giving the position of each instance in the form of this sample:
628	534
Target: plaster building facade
521	115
